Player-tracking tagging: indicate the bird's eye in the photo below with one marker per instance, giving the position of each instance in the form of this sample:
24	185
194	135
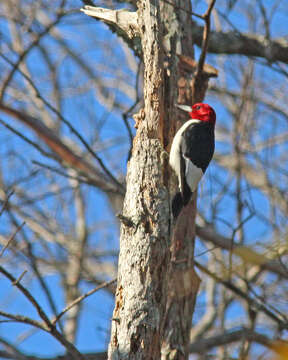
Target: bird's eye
198	107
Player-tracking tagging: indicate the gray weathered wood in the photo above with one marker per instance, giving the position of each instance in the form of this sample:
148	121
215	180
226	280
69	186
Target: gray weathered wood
122	19
157	284
144	248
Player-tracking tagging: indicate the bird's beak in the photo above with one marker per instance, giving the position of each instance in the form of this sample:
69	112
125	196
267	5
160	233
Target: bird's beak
184	107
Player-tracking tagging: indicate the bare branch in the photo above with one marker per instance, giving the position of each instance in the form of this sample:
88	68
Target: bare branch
17	355
12	237
209	234
30	142
257	177
122	19
22	56
34	265
205	41
48	326
17	281
231	42
28	296
200	81
5	203
270	104
202	345
24	319
243	295
81	298
62	150
61	117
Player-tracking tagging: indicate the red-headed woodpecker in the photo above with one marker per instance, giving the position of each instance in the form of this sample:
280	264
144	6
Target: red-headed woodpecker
191	151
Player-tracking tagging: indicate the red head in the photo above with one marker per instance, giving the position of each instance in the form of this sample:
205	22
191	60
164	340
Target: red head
203	112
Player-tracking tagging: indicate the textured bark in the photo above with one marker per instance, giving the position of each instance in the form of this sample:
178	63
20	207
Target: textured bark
122	19
157	284
144	250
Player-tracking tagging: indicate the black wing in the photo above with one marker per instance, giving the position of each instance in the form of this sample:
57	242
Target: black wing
199	144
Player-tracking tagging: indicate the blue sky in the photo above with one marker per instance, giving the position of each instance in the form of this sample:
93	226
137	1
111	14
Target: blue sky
91	118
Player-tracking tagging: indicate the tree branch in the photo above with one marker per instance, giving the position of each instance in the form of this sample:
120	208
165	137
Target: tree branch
259	306
121	19
21	356
209	234
47	325
22	56
25	320
203	345
257	177
123	22
81	298
64	152
231	42
12	237
205	40
200	81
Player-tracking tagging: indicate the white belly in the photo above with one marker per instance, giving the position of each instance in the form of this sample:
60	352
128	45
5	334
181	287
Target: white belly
193	173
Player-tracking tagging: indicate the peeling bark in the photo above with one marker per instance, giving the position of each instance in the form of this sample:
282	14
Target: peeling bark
157	283
144	250
124	20
140	296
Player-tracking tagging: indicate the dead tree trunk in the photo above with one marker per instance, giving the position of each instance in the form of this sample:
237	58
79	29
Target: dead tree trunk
157	284
144	246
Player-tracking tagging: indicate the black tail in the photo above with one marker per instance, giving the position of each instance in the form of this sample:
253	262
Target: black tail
186	193
177	205
179	201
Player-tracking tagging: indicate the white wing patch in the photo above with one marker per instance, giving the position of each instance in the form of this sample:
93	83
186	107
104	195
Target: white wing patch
175	152
193	174
175	159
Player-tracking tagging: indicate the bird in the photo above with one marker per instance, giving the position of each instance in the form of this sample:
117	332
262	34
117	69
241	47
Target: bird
191	152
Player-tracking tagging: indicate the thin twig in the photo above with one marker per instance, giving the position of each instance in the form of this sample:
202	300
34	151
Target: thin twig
254	303
81	178
24	319
230	336
17	281
207	251
34	266
231	250
25	53
63	153
48	325
205	41
30	142
67	123
28	296
6	203
80	298
11	349
12	237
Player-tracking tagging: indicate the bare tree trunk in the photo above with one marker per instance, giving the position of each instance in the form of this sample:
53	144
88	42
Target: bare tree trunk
144	246
157	284
74	265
